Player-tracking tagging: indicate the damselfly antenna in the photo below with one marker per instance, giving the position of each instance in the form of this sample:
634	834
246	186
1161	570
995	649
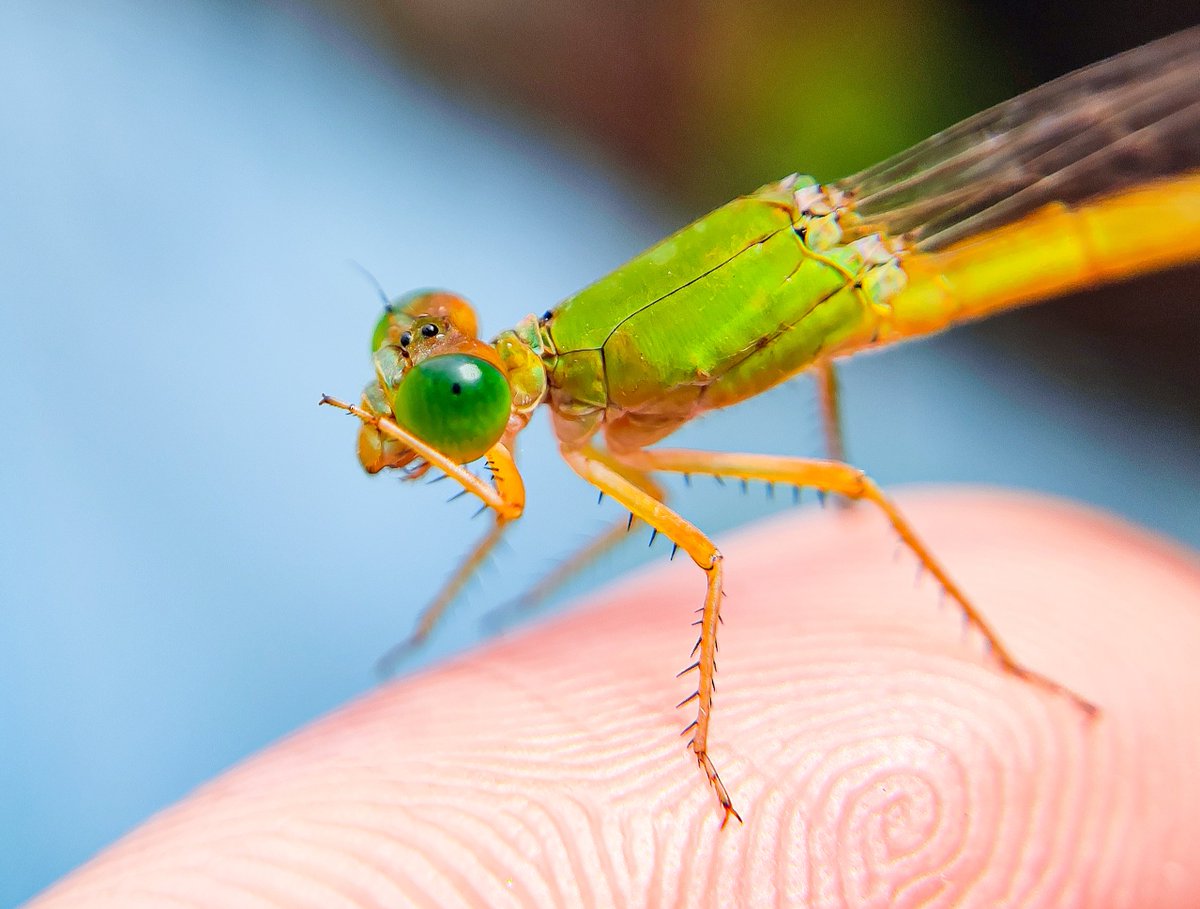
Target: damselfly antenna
387	304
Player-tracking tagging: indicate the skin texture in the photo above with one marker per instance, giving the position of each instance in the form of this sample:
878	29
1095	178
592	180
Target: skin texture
876	755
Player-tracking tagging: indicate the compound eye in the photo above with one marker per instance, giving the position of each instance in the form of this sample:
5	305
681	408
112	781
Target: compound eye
457	403
384	330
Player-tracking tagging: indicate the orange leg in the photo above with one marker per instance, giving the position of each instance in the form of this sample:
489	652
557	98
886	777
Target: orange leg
835	477
505	495
507	498
529	600
831	415
586	554
432	614
611	481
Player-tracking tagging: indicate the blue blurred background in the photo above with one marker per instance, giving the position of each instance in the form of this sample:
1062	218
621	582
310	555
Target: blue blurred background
192	564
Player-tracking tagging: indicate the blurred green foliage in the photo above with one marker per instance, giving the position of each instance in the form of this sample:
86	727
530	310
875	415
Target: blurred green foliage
779	87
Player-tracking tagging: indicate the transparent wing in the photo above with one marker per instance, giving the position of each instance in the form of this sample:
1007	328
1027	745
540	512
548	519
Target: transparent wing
1125	121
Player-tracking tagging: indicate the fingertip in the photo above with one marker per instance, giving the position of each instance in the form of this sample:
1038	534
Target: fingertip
876	755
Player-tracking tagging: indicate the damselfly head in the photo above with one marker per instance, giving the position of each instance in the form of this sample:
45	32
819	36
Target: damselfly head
439	306
435	379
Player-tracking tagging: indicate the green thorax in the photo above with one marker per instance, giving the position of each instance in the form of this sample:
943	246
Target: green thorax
723	309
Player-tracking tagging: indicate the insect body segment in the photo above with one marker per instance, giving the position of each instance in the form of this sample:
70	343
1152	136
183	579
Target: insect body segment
724	309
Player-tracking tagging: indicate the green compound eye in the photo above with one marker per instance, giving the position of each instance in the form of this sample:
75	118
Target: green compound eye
457	403
380	336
